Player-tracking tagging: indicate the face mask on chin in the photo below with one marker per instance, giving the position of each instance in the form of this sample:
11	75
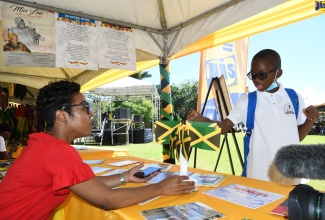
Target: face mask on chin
274	84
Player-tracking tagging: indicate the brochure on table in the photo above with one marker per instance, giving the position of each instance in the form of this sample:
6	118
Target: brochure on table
123	163
100	169
117	171
243	195
194	210
98	161
163	167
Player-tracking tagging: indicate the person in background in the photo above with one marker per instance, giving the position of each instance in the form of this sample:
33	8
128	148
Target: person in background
5	132
274	125
48	169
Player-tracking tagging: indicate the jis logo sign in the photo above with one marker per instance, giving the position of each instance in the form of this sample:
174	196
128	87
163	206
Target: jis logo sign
319	5
222	66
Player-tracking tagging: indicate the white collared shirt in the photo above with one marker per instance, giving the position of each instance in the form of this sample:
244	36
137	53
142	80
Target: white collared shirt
275	126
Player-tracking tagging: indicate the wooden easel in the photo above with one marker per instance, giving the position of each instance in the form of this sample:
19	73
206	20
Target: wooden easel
221	95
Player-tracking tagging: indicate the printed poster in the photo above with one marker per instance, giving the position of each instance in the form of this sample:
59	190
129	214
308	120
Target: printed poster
76	42
28	36
116	47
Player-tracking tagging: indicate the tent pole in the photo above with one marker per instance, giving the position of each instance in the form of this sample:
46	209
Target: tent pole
166	105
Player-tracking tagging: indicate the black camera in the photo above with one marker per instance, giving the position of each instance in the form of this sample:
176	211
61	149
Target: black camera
306	203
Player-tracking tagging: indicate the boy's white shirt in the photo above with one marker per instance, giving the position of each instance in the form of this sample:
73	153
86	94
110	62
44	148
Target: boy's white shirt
274	127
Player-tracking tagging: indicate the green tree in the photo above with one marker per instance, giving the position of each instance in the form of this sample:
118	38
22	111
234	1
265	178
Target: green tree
139	107
141	75
184	97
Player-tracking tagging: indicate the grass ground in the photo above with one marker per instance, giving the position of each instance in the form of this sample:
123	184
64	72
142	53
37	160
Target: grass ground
207	159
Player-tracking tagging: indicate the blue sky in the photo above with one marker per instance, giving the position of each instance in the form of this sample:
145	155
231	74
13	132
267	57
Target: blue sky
302	49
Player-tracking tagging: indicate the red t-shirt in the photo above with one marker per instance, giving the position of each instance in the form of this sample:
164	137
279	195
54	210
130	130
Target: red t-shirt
37	182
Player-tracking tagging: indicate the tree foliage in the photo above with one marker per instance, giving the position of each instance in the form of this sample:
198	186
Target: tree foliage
184	97
141	75
139	107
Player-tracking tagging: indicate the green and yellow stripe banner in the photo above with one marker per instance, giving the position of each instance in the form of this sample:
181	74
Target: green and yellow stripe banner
203	135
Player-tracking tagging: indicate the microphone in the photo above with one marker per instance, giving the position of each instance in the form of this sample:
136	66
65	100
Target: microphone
301	161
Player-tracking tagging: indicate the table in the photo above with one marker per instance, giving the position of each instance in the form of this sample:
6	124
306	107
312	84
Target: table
90	152
76	208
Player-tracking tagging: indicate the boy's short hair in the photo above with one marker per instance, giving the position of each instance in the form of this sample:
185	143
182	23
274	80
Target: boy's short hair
269	53
5	127
53	97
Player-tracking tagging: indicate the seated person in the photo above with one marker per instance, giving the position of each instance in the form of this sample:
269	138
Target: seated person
5	131
48	168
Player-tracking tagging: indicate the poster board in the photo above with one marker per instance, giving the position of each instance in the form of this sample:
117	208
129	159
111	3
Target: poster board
221	96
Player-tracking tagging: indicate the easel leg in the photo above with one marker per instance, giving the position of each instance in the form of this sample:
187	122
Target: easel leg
230	158
221	148
237	148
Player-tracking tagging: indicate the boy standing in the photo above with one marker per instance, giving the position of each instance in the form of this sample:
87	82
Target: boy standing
275	123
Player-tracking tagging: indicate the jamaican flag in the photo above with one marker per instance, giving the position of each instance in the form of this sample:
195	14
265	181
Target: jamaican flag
203	135
163	129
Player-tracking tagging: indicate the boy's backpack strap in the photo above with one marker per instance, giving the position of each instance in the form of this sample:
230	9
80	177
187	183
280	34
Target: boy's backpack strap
294	99
252	97
249	125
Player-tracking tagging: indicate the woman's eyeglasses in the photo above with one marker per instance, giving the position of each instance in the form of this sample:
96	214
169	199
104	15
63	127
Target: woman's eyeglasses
85	104
261	76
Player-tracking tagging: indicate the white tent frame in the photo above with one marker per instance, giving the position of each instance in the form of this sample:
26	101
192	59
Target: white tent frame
124	89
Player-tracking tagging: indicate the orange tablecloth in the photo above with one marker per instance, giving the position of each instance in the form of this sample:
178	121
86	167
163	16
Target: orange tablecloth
97	152
90	152
76	208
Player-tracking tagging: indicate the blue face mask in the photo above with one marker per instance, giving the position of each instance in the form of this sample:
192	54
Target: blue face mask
274	84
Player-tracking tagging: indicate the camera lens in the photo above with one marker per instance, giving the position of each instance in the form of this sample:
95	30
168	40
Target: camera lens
306	203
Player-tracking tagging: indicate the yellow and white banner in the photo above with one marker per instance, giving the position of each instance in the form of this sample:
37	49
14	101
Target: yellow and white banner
229	60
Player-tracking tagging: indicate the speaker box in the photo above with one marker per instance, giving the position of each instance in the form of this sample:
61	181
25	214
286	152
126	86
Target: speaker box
137	118
142	135
122	113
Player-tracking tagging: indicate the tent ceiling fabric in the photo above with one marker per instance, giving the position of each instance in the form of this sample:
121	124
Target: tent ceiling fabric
162	29
127	86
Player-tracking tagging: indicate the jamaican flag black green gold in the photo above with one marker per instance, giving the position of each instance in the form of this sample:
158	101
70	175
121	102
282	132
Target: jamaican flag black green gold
203	135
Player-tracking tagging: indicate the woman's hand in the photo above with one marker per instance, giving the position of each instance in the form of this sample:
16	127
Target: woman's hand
131	178
176	185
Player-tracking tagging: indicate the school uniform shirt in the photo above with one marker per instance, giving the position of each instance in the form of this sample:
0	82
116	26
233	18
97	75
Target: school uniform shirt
38	180
2	145
275	126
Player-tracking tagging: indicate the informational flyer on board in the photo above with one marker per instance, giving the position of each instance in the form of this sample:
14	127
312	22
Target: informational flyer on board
116	47
28	36
76	42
